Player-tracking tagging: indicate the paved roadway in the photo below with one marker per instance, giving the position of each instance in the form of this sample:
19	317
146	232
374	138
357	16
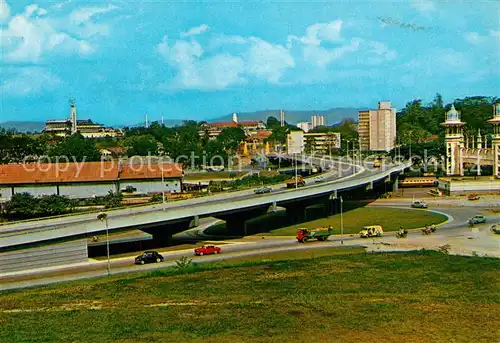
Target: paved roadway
462	239
34	231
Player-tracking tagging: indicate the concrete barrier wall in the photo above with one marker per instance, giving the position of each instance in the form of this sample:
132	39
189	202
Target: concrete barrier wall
453	187
44	256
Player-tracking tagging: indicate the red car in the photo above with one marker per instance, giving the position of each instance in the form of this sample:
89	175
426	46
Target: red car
207	250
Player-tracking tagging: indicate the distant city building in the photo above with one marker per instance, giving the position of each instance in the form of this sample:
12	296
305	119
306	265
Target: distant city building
299	142
295	142
214	129
87	128
282	118
317	121
305	126
461	149
377	128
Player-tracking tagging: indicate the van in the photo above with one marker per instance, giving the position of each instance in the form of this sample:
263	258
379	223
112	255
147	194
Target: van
371	231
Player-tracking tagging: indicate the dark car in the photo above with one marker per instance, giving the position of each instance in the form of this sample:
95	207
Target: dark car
149	257
263	190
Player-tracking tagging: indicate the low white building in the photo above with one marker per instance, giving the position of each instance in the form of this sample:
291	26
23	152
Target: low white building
90	179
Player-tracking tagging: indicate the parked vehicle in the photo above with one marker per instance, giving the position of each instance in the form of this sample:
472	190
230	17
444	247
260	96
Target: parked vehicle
435	192
149	257
473	197
321	234
478	219
207	250
263	190
419	204
300	182
371	231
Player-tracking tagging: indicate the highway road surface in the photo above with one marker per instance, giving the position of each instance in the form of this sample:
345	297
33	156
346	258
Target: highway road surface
462	240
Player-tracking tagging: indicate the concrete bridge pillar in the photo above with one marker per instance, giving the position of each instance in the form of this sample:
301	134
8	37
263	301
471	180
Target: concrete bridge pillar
162	233
236	221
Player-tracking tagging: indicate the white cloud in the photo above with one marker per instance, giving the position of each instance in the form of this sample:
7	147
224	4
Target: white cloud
31	36
84	14
423	6
29	81
268	61
4	10
321	56
474	38
27	40
194	31
198	68
495	33
315	34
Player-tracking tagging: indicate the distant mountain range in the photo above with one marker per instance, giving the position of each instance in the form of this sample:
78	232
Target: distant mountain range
23	126
332	116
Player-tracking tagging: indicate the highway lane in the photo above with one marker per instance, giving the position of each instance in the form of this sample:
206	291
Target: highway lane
462	239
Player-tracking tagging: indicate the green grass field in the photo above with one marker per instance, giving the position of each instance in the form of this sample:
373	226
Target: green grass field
325	295
354	220
390	219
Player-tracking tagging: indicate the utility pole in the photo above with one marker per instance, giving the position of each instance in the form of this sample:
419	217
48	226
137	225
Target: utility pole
162	186
296	172
341	222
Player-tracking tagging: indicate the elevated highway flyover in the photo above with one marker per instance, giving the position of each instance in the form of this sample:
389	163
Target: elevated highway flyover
32	240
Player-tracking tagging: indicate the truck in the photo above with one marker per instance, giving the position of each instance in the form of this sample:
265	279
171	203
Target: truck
321	234
378	162
291	183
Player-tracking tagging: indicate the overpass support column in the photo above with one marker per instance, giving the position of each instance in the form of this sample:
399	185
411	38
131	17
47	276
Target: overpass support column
162	235
236	221
395	186
296	212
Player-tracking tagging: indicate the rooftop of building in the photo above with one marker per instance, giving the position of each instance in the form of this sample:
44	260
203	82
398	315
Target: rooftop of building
235	124
105	171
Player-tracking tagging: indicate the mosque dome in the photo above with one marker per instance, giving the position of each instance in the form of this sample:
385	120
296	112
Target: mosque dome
452	114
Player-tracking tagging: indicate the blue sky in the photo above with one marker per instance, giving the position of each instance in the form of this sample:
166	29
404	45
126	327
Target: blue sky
203	59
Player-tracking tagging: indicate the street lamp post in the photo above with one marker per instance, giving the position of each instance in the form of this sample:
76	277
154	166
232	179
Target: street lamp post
162	187
296	172
341	222
104	218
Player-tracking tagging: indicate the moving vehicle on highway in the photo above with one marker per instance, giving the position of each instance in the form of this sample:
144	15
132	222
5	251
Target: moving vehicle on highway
378	162
427	230
149	257
319	179
477	219
473	197
299	181
263	190
321	234
371	231
207	250
419	204
402	233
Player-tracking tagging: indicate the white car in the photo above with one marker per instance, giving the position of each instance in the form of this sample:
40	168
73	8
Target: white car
419	204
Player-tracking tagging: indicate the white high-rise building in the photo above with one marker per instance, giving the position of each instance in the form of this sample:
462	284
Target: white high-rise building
317	121
377	128
235	118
